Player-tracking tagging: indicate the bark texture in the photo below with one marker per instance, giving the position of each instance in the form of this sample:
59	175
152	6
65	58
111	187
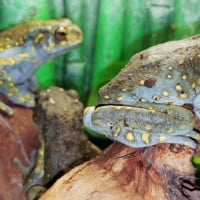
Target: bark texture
159	172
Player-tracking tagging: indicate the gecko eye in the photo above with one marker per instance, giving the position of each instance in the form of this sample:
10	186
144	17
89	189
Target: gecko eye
60	33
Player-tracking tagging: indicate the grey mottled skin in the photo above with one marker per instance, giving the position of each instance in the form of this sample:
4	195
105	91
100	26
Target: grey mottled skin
24	48
141	106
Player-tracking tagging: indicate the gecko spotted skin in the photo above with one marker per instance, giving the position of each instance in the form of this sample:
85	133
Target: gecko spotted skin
142	105
24	48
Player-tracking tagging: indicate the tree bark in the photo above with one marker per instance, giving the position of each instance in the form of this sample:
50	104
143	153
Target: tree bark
160	172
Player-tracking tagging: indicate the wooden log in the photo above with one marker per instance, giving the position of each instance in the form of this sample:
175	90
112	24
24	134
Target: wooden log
158	172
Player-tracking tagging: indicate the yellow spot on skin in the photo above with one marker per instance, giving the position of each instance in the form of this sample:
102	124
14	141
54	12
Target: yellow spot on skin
51	101
181	62
3	62
143	100
120	123
179	87
116	132
129	136
170	68
156	98
7	46
96	110
1	49
141	82
23	55
11	85
162	138
86	110
21	41
165	93
197	136
38	38
183	127
21	99
12	61
95	122
1	82
170	131
106	97
10	112
7	39
63	43
124	89
148	127
169	76
145	137
183	96
27	96
134	96
7	110
169	102
31	102
2	108
52	45
10	94
193	86
15	90
152	111
128	108
184	77
120	98
9	79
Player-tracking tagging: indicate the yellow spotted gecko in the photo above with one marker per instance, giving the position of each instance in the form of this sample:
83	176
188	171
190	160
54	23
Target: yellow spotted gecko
24	48
143	104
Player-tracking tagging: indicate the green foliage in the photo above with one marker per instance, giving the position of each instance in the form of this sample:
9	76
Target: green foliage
196	163
112	34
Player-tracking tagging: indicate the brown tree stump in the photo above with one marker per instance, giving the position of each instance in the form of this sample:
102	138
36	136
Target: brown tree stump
160	172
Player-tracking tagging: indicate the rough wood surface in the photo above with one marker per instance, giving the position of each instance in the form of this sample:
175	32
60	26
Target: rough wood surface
159	172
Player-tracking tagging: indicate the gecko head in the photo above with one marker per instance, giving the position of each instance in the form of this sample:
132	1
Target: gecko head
48	38
58	37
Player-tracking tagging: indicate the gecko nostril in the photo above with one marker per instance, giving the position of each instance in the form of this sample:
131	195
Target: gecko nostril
182	92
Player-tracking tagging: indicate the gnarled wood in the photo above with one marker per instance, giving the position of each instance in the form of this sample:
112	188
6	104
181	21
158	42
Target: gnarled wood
159	172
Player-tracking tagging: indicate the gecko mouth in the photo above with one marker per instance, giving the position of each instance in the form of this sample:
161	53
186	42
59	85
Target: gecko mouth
68	48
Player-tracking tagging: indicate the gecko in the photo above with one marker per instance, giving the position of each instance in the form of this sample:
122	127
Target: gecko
145	104
24	48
